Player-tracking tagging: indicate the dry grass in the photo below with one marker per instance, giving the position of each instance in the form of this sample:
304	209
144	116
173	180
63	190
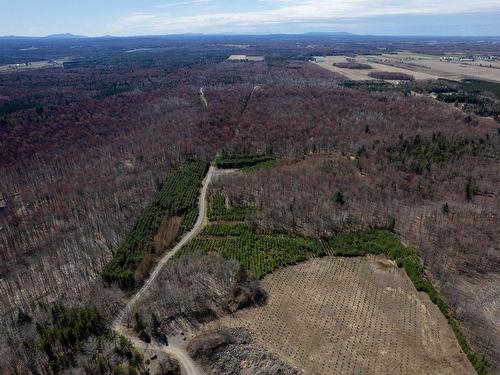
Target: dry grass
350	316
167	233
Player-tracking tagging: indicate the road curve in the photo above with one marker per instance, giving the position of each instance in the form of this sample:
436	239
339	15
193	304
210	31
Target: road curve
187	364
203	97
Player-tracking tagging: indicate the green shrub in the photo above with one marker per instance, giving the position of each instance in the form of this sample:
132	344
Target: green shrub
338	198
258	253
419	154
217	210
64	335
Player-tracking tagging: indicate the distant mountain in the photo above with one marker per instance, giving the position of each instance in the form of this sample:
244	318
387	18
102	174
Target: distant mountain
329	33
53	36
65	36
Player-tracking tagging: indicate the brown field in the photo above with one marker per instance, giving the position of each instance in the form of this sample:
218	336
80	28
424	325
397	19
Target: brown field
454	70
420	66
352	316
363	75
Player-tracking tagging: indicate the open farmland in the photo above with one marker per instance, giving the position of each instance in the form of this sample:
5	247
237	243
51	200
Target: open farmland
363	74
433	65
349	316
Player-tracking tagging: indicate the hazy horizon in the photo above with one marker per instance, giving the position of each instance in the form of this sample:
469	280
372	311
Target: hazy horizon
156	17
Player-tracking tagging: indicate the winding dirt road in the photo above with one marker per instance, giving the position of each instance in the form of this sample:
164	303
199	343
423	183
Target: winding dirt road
189	367
203	97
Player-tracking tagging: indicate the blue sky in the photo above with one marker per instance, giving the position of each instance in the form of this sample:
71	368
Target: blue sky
147	17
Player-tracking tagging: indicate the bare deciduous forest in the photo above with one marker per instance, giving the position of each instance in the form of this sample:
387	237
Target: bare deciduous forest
84	149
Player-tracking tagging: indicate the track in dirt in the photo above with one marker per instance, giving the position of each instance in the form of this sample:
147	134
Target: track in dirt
187	364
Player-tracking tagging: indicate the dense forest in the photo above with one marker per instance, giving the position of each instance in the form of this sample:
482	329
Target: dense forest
85	149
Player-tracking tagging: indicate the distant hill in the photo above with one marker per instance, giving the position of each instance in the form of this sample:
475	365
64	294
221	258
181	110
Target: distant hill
65	36
53	36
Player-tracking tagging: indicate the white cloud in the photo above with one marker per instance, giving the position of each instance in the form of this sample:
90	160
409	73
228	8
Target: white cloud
181	3
292	11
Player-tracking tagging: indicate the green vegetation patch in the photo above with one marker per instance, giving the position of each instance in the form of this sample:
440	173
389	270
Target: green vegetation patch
473	102
241	160
474	85
262	165
66	333
468	93
177	197
418	154
226	229
219	211
189	219
436	86
259	253
15	106
372	86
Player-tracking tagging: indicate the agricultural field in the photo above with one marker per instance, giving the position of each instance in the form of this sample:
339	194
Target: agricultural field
349	316
422	67
433	65
329	62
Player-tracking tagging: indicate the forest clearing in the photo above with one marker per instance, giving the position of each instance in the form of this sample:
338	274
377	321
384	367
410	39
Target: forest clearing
339	315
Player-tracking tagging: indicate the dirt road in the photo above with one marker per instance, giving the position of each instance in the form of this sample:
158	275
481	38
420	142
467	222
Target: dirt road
203	98
187	364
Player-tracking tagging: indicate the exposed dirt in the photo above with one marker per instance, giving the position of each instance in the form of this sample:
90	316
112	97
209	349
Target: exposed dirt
349	316
231	352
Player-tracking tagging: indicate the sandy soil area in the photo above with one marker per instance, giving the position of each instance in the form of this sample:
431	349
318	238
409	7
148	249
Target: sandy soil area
352	316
